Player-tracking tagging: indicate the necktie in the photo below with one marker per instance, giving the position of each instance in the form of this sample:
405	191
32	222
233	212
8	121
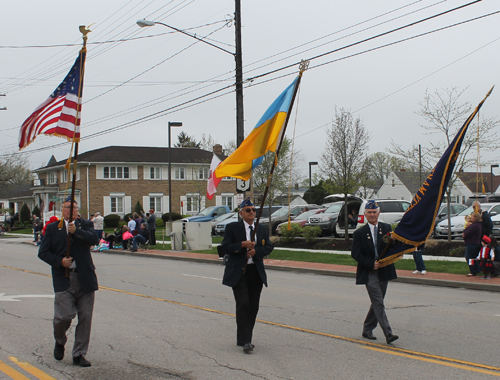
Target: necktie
375	242
252	238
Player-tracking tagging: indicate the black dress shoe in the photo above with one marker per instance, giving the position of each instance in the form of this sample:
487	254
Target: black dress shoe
58	351
391	338
81	361
369	336
247	348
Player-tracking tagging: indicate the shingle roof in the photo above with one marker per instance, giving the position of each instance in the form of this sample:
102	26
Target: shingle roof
141	154
471	180
411	180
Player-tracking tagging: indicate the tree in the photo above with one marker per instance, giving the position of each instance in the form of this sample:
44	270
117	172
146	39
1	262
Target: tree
207	142
138	208
24	214
186	141
317	193
344	157
445	115
14	170
36	211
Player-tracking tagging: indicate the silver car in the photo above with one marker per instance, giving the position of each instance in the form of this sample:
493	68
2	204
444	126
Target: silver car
457	222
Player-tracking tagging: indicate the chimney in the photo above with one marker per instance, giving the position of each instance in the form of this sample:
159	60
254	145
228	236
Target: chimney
402	170
218	149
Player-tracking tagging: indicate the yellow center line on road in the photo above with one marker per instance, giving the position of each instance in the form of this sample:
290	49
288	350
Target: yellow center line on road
11	372
39	374
440	362
394	350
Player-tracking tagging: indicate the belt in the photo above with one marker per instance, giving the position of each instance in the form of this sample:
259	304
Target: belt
73	270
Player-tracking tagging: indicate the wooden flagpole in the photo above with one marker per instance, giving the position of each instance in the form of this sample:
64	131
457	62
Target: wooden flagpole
84	32
303	67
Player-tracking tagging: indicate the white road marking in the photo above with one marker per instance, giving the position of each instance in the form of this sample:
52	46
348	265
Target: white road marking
3	297
208	278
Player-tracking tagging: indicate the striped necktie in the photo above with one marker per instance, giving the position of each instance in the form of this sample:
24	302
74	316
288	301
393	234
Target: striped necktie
375	241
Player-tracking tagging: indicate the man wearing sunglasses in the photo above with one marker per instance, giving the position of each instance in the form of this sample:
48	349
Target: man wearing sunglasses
244	271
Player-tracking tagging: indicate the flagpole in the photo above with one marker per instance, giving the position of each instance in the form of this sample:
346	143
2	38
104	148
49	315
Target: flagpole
303	67
84	32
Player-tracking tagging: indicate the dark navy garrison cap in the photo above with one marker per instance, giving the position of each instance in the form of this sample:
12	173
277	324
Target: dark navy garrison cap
247	202
68	199
371	205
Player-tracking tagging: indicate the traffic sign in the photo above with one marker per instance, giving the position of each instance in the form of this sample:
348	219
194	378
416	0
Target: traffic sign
242	185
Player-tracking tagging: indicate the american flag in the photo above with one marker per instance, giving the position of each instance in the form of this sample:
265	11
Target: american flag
59	115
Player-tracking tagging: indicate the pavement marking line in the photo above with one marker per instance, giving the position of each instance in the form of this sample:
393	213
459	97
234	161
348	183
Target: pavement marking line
459	366
208	278
11	372
363	343
39	374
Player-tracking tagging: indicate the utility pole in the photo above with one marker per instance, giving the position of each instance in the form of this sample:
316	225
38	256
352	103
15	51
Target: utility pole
240	130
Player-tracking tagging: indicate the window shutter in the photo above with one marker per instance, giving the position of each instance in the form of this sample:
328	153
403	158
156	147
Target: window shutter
164	172
106	205
202	203
133	174
145	203
147	174
99	171
127	207
184	202
164	204
218	200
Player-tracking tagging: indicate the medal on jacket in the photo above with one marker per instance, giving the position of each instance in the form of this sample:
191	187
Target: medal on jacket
263	241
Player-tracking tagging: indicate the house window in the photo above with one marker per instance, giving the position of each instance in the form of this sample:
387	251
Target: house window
155	204
116	172
179	173
393	183
52	178
227	201
155	172
117	205
203	173
192	203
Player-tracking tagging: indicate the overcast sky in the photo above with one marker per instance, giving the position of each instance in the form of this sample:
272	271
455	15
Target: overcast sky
132	73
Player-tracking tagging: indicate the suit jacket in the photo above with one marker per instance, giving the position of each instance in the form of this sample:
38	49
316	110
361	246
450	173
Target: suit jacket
363	252
234	235
53	249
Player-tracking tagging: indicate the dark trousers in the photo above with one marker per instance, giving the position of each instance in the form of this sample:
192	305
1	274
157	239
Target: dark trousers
376	290
471	251
247	296
152	237
67	305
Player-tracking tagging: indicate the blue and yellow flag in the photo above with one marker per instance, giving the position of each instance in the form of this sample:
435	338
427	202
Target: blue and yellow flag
418	221
264	138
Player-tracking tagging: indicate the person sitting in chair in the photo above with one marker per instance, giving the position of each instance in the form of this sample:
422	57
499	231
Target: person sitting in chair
141	237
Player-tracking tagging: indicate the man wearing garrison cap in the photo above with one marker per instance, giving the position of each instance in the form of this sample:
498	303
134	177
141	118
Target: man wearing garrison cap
244	271
73	278
367	245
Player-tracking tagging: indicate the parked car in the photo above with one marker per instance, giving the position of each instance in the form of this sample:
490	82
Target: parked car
391	210
483	198
496	226
327	219
301	220
220	219
281	215
221	226
457	222
207	214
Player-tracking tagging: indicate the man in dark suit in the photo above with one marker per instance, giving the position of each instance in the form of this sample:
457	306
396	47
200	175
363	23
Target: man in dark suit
367	245
73	278
486	223
244	271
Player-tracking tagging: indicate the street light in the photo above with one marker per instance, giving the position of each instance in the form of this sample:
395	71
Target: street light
170	124
491	177
310	164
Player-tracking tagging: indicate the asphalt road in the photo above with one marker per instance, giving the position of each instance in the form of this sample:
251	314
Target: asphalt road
170	319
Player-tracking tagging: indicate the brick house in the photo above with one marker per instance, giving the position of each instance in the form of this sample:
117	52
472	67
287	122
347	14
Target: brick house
112	179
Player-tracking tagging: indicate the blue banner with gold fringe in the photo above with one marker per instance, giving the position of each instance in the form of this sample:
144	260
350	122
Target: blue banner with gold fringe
418	221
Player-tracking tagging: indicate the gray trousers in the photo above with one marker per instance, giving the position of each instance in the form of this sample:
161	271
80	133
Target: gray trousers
376	290
67	305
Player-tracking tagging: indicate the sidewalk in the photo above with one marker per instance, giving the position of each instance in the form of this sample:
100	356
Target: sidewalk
431	278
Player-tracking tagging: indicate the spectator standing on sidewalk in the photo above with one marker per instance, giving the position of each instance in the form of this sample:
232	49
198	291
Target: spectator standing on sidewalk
472	240
419	261
151	221
486	257
98	224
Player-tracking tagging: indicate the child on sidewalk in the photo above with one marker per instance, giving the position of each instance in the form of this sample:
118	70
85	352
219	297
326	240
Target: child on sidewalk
486	257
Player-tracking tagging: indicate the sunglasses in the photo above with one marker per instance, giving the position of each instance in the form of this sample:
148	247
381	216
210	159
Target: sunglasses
249	210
